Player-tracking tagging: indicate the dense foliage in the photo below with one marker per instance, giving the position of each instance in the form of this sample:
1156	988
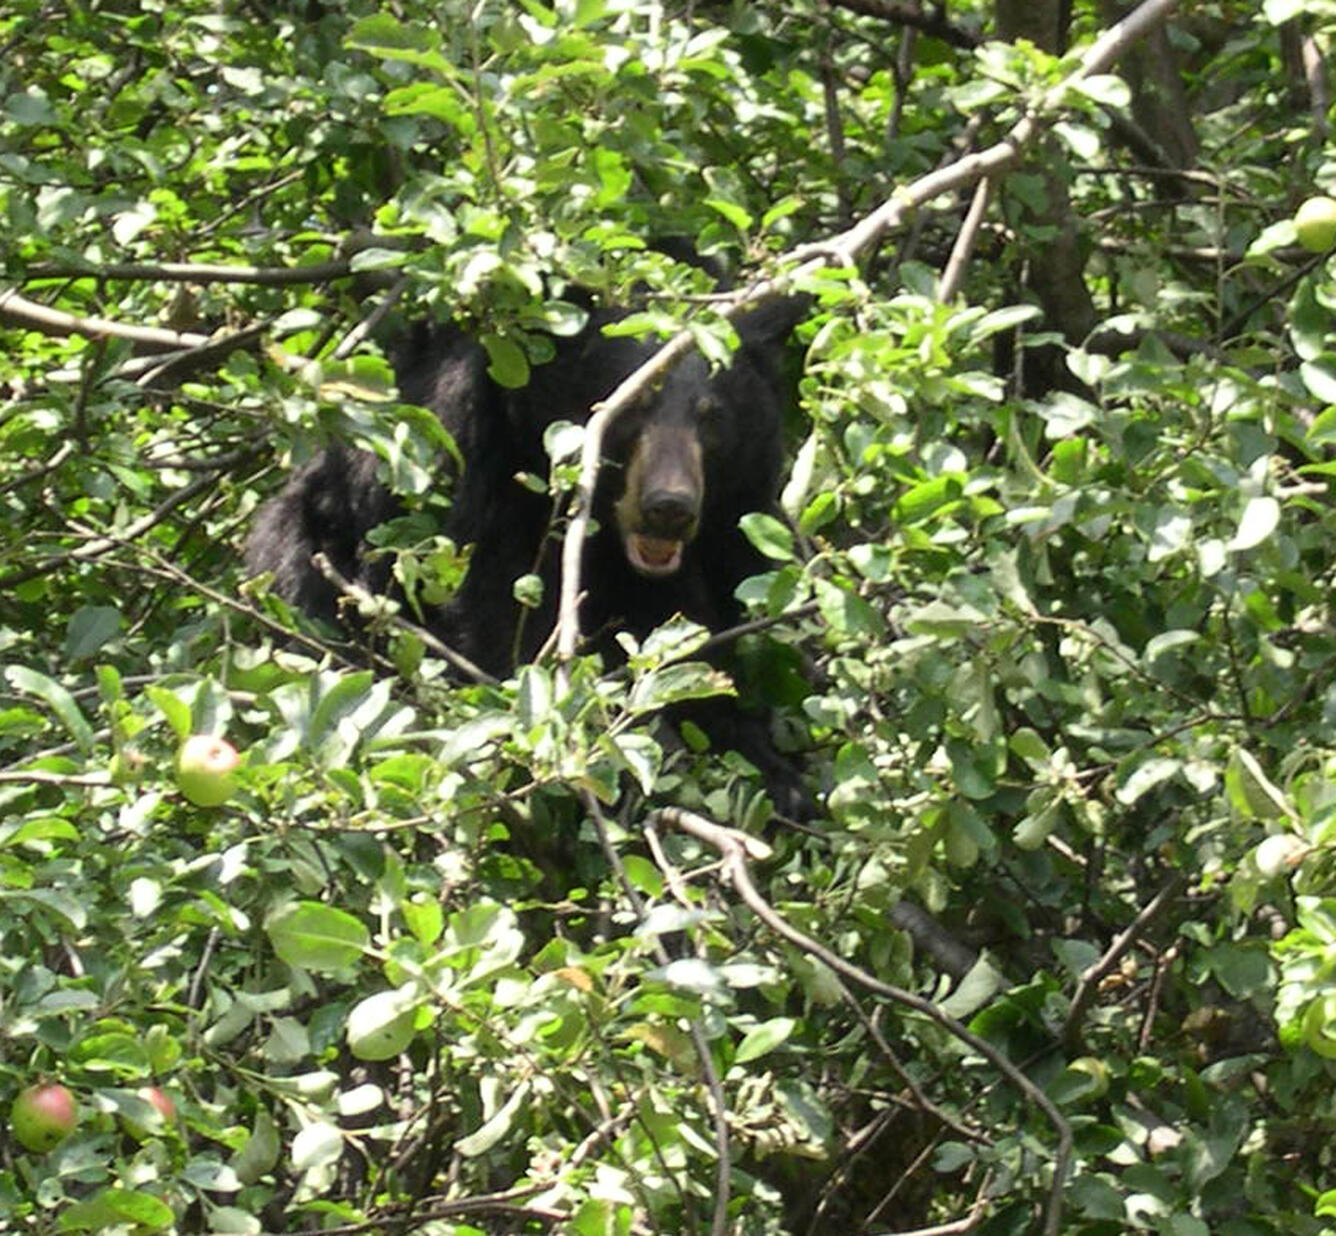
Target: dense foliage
1048	627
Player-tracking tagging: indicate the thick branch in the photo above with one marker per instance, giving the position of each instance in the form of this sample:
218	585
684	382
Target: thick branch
201	272
21	311
901	13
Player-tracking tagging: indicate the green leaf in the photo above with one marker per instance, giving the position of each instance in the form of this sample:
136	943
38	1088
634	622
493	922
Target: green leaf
113	1208
496	1127
1031	832
174	709
444	103
588	12
260	1153
417	43
1252	792
770	536
424	918
927	498
90	627
1278	12
846	612
60	701
1323	429
976	989
1105	89
68	907
639	755
113	1052
336	704
319	1145
1319	376
1144	777
315	936
507	363
1258	521
762	1039
671	684
1172	532
1000	320
735	214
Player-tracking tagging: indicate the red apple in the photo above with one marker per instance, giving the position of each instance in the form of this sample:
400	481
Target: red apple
204	769
161	1100
43	1116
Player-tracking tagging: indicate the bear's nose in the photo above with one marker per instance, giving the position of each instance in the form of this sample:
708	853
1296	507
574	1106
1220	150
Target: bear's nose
668	512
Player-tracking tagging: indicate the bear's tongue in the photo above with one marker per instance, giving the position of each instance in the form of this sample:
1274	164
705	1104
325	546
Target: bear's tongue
652	555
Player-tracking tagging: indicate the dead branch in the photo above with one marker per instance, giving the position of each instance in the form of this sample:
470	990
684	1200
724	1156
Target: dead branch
364	598
1090	980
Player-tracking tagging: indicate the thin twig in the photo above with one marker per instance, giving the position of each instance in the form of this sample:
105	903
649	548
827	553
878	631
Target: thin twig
704	1054
733	846
967	238
99	545
366	598
1095	973
36	474
38	777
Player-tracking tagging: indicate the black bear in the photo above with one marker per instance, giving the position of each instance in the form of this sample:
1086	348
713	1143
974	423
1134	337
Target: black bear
679	470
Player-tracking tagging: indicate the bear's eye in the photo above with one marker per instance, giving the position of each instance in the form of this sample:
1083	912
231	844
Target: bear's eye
707	405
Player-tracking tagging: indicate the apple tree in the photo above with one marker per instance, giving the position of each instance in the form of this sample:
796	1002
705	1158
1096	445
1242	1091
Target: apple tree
319	933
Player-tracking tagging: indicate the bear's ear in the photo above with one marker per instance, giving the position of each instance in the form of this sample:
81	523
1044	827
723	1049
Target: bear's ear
769	321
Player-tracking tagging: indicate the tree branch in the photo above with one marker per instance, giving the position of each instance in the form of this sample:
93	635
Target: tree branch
365	598
733	845
903	13
1094	974
200	272
24	312
841	251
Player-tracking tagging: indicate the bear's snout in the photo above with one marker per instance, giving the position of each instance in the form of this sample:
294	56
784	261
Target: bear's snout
660	505
670	512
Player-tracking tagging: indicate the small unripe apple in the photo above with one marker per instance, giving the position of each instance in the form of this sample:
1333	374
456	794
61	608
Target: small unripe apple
1315	224
43	1116
127	767
205	768
1279	853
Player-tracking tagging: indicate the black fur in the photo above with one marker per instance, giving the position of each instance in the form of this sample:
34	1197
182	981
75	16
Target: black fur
679	471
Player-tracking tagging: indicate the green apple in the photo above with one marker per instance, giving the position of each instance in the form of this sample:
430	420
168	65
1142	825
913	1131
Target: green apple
205	768
1315	224
1280	853
43	1116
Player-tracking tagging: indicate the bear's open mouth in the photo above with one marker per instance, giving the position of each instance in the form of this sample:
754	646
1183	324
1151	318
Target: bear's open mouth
653	555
